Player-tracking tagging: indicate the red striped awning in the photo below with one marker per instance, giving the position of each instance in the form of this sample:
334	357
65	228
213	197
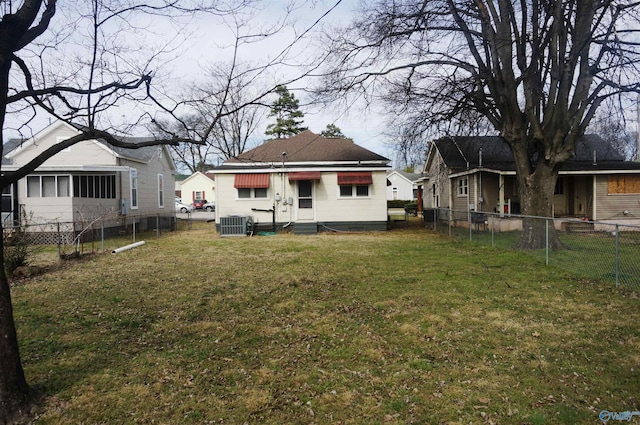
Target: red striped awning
251	181
304	175
354	177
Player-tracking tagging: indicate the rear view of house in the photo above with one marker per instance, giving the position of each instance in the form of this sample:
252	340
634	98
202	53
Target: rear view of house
307	183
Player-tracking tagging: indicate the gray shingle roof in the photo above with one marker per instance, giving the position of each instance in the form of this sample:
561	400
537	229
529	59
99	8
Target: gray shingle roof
307	147
461	153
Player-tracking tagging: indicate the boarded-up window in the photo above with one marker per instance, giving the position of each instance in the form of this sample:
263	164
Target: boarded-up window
623	184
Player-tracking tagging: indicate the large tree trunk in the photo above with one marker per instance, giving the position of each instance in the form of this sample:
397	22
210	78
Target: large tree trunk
536	199
16	398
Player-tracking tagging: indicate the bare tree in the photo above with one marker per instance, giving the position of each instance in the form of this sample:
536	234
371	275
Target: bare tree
408	144
612	124
537	70
226	113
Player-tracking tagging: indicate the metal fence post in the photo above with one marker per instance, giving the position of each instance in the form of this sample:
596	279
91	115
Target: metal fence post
102	234
617	255
493	224
134	229
436	211
546	238
157	225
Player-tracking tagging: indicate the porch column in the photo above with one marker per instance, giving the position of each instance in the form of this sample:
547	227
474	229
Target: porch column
501	195
594	199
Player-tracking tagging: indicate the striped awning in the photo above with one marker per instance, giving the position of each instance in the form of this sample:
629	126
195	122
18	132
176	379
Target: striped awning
251	181
354	178
304	175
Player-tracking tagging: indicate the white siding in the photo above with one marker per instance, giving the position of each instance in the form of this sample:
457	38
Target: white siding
78	154
404	187
197	183
327	204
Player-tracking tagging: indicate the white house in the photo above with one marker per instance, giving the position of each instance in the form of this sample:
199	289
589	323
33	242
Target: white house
88	180
308	183
402	185
198	186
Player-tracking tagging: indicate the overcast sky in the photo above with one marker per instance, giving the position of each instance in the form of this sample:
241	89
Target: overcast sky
208	39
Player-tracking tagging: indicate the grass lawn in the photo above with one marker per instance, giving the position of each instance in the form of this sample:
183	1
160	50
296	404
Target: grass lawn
398	327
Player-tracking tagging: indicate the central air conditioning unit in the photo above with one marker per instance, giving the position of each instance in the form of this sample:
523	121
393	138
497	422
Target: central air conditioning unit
236	225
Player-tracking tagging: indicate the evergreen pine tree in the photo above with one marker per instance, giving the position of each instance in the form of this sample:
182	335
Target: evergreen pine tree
287	113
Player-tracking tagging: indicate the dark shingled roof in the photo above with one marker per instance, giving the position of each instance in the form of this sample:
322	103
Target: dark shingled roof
460	153
307	147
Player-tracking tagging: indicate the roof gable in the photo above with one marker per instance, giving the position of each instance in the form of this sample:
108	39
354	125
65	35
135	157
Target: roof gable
200	175
307	147
13	148
409	177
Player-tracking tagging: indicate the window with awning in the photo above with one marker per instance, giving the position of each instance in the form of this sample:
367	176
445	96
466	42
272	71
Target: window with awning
251	181
347	178
304	175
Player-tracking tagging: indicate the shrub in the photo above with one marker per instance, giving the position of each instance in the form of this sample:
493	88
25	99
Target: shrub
16	252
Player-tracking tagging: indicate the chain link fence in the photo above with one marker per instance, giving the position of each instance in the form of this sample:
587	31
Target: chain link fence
89	235
604	251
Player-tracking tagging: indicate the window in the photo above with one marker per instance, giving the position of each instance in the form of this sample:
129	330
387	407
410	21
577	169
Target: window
133	173
623	184
559	189
360	190
64	186
160	191
394	194
305	190
463	186
248	193
87	186
33	186
252	185
48	186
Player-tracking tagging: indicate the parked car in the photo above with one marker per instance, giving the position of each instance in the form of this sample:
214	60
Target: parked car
198	203
184	208
209	206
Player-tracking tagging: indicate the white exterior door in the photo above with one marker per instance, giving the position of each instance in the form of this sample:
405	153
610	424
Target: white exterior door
305	202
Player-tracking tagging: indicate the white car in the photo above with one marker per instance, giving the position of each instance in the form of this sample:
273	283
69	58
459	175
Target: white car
184	208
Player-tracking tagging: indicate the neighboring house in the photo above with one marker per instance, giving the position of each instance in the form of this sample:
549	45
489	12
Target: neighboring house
90	179
478	173
198	186
307	182
402	186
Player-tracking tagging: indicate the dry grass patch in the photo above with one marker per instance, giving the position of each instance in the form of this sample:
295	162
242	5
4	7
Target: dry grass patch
397	327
